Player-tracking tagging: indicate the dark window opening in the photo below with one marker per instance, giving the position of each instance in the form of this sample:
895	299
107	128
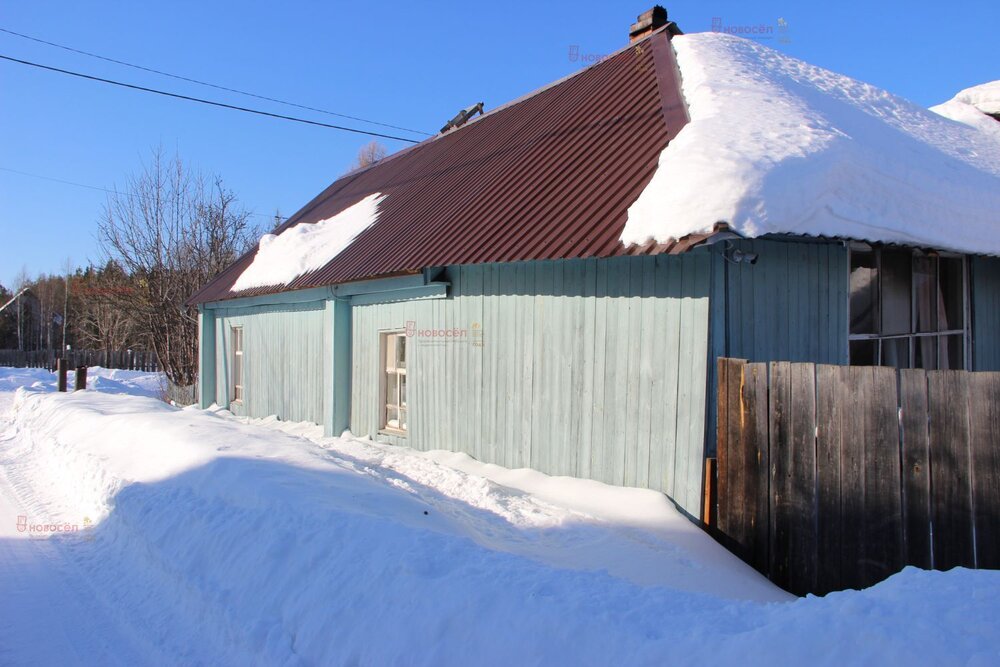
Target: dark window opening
907	309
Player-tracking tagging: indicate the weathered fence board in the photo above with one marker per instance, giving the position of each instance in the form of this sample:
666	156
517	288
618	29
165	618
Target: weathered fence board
852	477
984	412
951	483
793	461
833	477
833	418
743	450
916	472
882	518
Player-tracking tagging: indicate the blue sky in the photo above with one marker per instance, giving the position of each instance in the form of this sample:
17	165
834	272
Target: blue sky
408	64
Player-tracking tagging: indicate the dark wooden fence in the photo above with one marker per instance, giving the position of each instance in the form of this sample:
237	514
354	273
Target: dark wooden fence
122	359
834	477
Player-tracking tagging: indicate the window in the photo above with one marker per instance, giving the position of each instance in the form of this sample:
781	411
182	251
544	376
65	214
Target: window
236	339
394	382
907	309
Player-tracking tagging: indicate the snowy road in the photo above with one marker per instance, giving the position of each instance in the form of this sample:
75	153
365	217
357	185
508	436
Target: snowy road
40	581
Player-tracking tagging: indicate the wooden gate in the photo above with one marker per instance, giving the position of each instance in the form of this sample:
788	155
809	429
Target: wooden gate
833	477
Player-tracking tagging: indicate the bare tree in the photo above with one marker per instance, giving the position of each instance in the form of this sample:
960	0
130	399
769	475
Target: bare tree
171	231
21	280
98	320
369	154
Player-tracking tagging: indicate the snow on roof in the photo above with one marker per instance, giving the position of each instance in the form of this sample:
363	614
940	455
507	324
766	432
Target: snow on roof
282	258
776	145
985	97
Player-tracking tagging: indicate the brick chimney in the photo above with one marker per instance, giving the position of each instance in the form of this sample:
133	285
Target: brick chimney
647	22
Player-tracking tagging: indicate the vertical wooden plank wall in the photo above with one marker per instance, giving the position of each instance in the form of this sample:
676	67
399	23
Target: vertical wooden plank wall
856	487
790	305
593	368
984	290
282	361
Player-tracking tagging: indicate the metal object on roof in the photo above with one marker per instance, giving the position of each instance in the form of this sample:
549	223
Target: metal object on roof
549	176
462	117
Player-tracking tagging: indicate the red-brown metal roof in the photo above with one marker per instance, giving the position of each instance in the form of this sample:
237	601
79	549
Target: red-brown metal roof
550	176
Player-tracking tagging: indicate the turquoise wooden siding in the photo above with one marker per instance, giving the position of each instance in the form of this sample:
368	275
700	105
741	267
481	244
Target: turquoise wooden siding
985	297
206	357
791	305
592	368
283	360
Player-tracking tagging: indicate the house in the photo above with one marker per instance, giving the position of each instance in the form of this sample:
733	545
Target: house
549	284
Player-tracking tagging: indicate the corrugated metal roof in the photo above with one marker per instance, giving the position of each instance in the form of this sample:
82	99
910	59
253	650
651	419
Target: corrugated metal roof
549	176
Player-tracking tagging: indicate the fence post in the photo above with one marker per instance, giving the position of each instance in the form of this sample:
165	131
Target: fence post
61	369
81	379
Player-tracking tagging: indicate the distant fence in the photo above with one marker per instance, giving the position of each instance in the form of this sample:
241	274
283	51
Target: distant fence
132	360
834	477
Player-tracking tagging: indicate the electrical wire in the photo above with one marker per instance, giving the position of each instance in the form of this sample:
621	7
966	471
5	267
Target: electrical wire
204	101
210	85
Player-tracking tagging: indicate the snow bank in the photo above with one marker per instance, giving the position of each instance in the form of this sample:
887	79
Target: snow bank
223	542
105	380
303	248
776	145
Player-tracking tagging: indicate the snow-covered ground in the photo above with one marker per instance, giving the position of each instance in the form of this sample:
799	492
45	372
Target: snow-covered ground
157	535
105	380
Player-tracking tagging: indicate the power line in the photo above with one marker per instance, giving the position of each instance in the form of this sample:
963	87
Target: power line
110	192
204	101
210	85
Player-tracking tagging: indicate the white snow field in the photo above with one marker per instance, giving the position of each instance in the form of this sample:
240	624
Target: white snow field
776	145
133	532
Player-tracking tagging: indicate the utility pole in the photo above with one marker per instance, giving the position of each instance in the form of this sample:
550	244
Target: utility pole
65	311
20	343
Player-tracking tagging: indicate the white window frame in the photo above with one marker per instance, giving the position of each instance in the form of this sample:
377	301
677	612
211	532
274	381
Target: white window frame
236	341
912	337
387	368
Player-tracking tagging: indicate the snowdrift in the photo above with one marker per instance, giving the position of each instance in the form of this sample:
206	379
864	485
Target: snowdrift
247	543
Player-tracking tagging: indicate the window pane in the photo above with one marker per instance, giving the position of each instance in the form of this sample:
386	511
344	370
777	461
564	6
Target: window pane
896	273
925	352
400	351
391	388
402	390
896	352
951	307
863	352
390	350
864	292
392	417
402	419
926	293
951	352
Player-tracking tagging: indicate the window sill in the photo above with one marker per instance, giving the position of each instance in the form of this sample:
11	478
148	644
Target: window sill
392	431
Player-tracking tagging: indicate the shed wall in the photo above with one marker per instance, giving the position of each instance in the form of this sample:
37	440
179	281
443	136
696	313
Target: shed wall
791	305
593	368
985	296
283	360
